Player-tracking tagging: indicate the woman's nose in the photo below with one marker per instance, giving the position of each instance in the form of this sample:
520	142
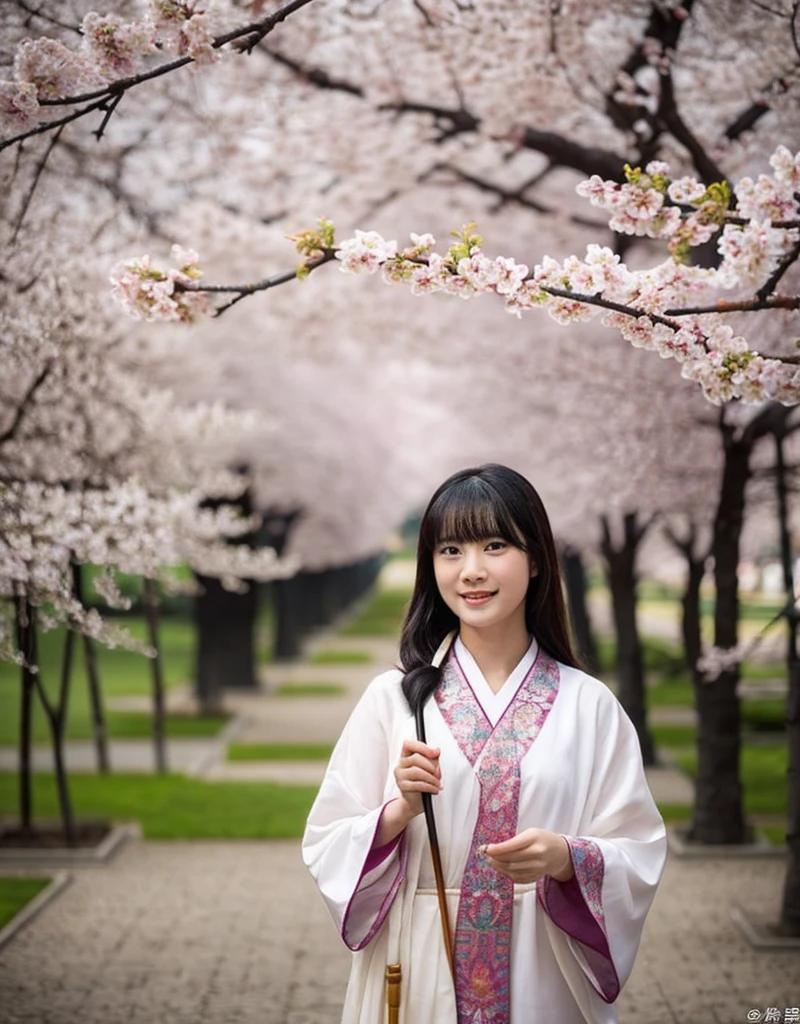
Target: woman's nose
473	567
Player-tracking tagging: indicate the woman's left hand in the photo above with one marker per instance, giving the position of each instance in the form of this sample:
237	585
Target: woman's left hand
530	855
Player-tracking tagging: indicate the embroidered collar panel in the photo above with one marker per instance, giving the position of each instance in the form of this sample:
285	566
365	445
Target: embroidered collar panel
494	704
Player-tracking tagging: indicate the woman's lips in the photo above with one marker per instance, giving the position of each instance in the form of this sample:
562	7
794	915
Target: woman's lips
478	597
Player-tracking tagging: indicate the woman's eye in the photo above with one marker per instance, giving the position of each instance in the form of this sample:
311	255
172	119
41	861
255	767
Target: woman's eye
449	549
495	545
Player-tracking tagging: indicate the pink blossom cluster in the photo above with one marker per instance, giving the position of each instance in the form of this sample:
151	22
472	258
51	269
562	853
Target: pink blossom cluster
147	293
111	48
122	527
636	207
365	253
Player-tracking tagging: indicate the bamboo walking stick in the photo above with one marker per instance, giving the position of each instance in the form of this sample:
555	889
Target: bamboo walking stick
436	857
430	822
394	978
394	974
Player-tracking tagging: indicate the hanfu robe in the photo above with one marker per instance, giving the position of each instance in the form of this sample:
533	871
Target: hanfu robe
553	749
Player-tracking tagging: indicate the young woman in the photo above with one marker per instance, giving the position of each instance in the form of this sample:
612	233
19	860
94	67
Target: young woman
551	844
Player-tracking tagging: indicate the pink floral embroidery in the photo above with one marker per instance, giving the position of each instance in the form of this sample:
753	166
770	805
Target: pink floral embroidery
589	867
577	908
483	929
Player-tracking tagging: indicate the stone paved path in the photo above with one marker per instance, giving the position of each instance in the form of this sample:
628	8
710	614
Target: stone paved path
234	933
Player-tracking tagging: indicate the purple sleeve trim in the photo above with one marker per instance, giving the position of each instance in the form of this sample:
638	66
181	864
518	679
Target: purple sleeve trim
576	907
376	857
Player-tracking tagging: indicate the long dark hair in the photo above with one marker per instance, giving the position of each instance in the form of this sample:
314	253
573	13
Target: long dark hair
472	505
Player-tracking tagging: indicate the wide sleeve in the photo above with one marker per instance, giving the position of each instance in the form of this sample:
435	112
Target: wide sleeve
358	880
618	859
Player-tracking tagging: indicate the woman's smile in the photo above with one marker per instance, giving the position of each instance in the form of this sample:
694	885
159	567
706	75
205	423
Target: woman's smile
476	598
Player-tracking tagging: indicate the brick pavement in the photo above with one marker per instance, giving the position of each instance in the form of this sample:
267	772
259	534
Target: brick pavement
234	933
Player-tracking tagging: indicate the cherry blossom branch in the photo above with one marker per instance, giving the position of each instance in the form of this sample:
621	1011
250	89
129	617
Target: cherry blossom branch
109	108
655	309
241	291
48	126
615	307
250	35
742	306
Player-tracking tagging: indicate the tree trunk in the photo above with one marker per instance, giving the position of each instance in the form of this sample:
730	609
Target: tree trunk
575	583
226	630
691	630
621	577
718	815
790	905
57	718
99	730
159	735
226	641
24	618
291	626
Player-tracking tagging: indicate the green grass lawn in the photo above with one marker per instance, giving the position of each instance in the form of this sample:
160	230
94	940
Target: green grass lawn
764	715
309	690
671	692
675	812
673	736
279	751
15	893
383	616
175	807
334	657
137	725
763	772
122	673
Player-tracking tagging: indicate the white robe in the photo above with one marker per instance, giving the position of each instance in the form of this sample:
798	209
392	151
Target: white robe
581	777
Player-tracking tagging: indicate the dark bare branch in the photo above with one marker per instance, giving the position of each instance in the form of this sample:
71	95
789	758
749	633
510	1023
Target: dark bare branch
769	286
19	414
315	76
568	153
36	176
503	195
35	11
670	118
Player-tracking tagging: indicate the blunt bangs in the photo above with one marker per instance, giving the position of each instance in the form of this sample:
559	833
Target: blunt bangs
471	510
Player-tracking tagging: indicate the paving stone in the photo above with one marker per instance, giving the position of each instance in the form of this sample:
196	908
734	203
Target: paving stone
235	933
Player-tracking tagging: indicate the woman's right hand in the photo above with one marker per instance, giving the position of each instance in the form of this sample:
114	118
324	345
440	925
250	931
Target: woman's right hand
417	772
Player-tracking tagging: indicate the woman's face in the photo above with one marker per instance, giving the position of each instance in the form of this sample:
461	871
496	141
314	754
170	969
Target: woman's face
483	582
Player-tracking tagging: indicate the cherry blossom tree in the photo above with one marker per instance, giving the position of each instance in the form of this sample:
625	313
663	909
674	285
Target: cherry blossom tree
369	105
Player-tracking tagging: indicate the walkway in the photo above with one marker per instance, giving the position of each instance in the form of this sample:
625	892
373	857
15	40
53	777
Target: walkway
234	933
